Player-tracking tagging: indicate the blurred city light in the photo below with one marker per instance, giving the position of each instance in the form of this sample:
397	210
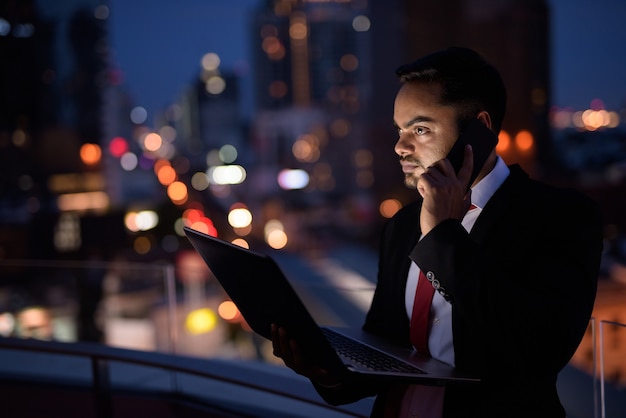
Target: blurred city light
25	30
361	23
142	245
90	154
241	242
118	146
215	85
298	29
275	235
67	234
200	321
192	215
228	154
204	225
166	174
276	239
177	192
5	27
228	310
152	142
524	140
168	133
210	61
141	221
227	174
349	62
129	161
293	179
592	119
239	217
200	181
306	148
504	141
19	138
138	115
389	207
94	201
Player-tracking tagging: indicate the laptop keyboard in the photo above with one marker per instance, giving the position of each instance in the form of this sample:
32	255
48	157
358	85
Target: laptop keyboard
366	356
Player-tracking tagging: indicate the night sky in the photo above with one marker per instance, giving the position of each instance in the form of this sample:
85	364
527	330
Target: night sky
158	45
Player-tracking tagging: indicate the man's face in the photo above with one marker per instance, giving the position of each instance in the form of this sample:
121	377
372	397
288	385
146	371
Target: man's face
426	129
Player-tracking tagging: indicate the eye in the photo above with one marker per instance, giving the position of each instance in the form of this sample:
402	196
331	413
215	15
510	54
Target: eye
419	130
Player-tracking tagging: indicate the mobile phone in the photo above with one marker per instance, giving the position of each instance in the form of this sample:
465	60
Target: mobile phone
482	139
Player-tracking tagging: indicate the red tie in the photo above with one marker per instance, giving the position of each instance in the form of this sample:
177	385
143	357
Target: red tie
421	312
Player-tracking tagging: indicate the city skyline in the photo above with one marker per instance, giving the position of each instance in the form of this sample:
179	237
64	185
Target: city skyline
160	55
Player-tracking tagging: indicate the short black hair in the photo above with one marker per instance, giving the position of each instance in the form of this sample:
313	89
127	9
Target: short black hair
470	84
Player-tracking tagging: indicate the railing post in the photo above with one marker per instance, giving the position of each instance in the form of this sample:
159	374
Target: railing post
101	387
170	286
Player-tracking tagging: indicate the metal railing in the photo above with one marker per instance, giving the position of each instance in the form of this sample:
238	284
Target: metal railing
241	375
161	310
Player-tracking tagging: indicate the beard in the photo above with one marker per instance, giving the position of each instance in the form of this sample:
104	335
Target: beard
410	179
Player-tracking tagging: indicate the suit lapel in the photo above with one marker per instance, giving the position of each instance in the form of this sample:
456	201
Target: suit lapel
499	205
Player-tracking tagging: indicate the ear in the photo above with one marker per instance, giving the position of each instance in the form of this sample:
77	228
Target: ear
485	118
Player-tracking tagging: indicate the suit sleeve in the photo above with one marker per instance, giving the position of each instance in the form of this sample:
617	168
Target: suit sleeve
522	299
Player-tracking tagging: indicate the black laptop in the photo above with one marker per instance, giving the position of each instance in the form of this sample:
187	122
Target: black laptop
264	296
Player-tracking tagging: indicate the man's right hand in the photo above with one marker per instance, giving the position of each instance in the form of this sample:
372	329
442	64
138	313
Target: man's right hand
292	355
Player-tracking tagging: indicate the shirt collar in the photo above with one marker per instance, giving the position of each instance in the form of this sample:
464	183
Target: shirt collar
487	186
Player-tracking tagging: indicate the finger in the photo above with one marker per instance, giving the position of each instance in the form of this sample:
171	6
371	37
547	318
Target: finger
467	201
465	173
285	346
442	168
275	340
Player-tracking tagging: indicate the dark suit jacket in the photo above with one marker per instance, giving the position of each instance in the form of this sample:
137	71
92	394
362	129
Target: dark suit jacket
522	287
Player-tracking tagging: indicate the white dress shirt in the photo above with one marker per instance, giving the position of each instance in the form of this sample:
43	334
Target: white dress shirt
427	401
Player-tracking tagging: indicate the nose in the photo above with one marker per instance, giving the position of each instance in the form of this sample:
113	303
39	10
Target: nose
403	145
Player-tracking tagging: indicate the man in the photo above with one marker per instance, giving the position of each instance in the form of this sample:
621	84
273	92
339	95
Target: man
516	272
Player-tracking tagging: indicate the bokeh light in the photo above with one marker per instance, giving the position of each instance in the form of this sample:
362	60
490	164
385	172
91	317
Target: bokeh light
228	311
275	235
129	161
228	154
389	207
177	192
118	146
241	242
239	217
215	85
200	321
141	221
227	174
210	61
524	140
152	142
90	154
504	141
200	181
138	115
142	245
293	179
349	62
361	23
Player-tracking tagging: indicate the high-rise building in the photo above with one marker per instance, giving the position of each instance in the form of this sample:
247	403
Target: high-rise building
51	74
312	89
